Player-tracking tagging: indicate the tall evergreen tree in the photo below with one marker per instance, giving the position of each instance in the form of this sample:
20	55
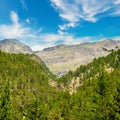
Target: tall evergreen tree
5	103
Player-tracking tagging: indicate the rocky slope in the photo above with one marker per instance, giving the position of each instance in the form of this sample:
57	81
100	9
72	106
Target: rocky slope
62	58
14	46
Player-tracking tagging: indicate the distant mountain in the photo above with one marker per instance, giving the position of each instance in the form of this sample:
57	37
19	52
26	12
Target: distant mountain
62	58
14	46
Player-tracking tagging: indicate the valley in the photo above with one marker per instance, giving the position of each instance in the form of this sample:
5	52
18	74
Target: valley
62	58
59	59
30	91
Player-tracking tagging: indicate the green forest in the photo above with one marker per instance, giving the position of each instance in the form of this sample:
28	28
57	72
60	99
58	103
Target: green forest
25	93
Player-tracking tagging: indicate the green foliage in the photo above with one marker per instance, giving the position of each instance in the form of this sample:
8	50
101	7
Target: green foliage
26	95
5	104
97	97
28	79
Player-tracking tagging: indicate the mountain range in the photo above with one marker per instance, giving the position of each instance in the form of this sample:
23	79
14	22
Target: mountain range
62	58
29	91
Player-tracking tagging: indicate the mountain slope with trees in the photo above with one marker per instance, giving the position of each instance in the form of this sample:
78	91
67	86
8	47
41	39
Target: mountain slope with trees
27	95
106	63
98	95
23	84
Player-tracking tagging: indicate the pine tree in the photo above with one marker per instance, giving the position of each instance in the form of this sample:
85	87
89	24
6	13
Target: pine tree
5	104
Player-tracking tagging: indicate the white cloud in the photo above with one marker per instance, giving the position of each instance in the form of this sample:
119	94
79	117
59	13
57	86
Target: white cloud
61	32
16	29
24	6
28	21
35	39
40	47
50	40
116	38
117	2
66	26
14	17
74	11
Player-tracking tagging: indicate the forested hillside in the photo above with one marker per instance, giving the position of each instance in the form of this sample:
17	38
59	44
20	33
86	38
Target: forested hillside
107	64
23	86
26	94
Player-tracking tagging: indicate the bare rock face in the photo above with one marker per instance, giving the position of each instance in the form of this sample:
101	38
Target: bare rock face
62	58
14	46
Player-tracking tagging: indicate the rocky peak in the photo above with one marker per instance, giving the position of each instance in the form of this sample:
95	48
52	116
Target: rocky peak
14	46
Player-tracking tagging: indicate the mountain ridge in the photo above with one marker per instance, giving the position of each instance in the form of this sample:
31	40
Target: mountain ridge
14	46
62	58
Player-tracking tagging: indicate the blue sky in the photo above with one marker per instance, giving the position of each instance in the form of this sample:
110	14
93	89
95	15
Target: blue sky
45	23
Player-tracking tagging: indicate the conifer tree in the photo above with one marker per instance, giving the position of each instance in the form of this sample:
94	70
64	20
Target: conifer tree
5	104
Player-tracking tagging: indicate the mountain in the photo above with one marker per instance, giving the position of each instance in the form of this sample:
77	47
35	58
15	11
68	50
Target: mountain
95	89
25	93
86	73
62	58
14	46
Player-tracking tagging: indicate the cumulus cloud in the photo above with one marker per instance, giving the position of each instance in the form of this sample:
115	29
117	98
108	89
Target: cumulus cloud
14	17
74	11
15	29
